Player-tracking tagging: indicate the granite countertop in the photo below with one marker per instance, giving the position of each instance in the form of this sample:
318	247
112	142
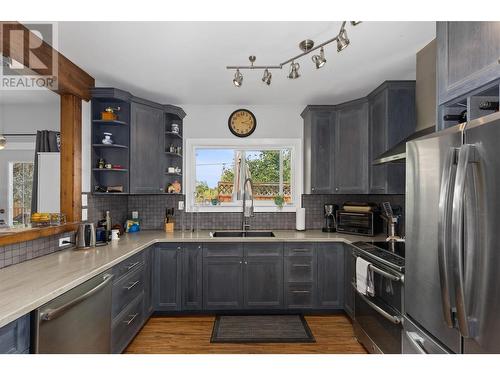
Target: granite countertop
28	285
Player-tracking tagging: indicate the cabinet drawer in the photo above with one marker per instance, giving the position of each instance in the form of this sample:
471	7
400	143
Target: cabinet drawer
300	296
128	265
299	269
127	288
223	250
263	249
299	249
15	336
127	324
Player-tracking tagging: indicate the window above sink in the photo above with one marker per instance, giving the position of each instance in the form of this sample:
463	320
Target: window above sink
216	170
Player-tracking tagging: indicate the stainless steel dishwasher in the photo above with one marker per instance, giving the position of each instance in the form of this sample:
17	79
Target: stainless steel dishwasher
79	321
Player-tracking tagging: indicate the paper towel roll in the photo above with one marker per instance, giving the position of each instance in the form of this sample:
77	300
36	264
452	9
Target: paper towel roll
300	219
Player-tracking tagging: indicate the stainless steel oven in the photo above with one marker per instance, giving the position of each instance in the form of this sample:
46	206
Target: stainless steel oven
378	319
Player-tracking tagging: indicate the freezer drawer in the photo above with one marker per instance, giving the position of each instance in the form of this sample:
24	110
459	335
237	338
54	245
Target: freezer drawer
416	341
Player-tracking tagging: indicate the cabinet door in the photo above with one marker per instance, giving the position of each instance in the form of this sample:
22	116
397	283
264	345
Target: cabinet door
222	283
467	57
330	275
192	293
351	149
148	284
322	124
146	149
15	336
378	141
349	277
167	277
263	282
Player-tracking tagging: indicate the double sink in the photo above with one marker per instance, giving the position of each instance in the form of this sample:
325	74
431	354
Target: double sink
242	234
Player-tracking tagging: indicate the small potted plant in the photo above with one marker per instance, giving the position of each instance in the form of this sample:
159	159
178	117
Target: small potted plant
279	200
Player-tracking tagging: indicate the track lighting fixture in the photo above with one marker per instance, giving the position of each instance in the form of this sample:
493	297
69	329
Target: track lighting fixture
266	78
319	60
306	46
342	40
294	71
3	142
238	78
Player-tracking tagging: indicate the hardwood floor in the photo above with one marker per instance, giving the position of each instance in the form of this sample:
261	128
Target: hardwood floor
191	335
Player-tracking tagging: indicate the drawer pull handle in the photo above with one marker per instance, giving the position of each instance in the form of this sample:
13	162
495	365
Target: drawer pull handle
132	265
301	250
132	285
301	265
128	322
301	291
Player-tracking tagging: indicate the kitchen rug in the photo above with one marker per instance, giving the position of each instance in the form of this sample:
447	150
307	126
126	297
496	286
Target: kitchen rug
261	329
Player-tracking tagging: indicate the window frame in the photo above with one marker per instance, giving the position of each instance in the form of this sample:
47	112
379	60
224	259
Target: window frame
247	144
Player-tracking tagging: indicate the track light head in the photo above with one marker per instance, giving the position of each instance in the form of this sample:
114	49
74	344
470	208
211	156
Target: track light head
342	40
266	78
3	142
294	70
238	78
319	60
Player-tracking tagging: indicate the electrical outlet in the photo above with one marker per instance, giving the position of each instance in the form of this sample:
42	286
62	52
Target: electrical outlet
85	214
64	239
85	200
135	214
181	205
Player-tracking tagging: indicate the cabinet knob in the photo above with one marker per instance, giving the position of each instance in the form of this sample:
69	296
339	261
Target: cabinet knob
337	189
313	189
241	262
246	262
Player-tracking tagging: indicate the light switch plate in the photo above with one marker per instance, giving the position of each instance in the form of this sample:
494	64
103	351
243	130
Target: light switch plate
85	214
85	201
181	206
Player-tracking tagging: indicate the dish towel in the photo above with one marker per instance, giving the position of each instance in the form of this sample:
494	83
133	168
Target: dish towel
364	277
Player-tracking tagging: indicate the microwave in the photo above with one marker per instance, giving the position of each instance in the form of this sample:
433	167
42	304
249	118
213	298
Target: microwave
362	223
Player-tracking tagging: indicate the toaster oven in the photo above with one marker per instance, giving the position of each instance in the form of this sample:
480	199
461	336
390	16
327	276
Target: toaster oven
362	223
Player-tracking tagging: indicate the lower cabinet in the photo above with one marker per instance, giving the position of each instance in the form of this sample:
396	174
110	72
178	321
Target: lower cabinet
192	282
167	277
222	283
300	275
15	336
349	278
330	275
148	282
127	324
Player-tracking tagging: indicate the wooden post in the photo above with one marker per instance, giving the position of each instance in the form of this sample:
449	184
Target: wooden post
71	157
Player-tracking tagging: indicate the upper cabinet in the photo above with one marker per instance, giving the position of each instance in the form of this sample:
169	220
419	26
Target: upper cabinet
319	122
392	119
350	156
468	57
143	150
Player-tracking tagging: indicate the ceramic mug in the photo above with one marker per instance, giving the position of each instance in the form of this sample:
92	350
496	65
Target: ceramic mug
115	234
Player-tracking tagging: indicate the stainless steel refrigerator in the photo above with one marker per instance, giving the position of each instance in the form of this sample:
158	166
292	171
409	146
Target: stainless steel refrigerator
452	277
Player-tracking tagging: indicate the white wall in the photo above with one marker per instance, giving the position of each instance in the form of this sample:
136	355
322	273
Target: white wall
273	121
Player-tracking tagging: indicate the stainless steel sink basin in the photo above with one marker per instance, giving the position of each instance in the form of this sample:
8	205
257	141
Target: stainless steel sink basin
243	234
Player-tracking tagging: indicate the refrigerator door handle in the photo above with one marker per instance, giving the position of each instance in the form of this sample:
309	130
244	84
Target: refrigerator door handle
444	225
466	155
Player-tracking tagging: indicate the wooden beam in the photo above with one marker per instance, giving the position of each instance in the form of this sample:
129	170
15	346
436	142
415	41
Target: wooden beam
71	157
14	41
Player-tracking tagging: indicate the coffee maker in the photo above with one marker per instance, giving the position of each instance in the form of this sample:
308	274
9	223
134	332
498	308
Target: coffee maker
330	211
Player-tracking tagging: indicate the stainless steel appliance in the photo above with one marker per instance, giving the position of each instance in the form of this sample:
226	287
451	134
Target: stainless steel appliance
330	221
452	236
85	236
378	319
362	223
79	321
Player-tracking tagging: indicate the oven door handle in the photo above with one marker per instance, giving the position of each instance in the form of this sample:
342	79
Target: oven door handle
417	342
392	318
375	269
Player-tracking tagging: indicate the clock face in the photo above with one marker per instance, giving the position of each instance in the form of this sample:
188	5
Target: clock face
242	123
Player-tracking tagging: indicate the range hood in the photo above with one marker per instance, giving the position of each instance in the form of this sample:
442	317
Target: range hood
425	93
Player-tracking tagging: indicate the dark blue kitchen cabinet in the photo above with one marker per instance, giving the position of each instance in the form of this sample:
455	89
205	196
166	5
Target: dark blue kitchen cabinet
392	119
300	275
148	282
15	336
330	290
167	269
468	56
349	279
192	277
319	122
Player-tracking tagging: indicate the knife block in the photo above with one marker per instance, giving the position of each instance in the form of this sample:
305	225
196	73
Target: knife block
169	227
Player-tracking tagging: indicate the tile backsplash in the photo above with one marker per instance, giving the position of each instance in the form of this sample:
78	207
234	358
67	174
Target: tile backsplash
21	252
151	210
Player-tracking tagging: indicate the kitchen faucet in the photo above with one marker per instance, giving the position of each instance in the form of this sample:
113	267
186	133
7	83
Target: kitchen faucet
244	215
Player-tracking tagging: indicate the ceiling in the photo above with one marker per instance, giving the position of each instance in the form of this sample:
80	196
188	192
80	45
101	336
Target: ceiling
184	62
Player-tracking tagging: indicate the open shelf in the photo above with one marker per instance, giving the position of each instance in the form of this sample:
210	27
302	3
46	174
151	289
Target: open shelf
173	154
101	145
103	193
173	174
176	135
109	170
109	122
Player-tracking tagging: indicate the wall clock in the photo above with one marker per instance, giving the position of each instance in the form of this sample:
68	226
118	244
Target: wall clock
242	123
